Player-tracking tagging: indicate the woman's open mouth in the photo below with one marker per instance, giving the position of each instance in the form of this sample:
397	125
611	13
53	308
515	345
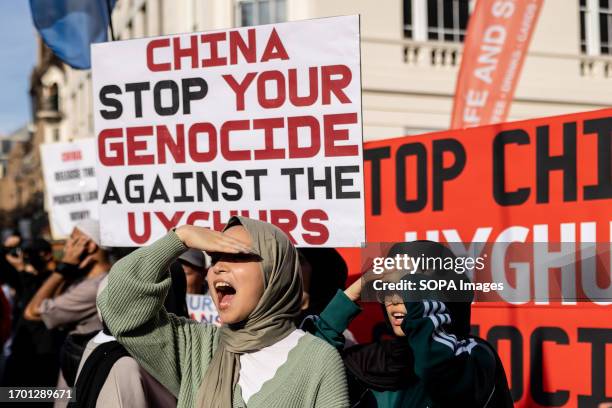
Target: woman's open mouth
225	294
397	319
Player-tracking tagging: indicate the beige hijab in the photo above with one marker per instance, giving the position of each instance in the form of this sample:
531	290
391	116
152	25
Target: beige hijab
270	322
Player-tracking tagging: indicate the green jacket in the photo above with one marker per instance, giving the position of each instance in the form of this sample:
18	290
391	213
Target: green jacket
177	351
451	372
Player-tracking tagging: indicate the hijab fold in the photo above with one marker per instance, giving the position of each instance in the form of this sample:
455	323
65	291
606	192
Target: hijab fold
270	321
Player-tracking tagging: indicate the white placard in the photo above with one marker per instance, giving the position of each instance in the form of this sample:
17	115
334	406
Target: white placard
259	121
71	186
202	309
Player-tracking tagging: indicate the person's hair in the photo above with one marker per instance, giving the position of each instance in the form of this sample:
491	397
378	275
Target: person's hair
36	246
116	253
14	233
329	273
458	301
37	252
105	254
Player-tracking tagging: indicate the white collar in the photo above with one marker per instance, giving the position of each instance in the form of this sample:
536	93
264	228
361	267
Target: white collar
103	338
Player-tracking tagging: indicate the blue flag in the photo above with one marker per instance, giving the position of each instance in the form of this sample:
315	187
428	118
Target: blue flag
69	27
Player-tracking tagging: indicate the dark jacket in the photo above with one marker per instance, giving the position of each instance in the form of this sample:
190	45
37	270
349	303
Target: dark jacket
448	370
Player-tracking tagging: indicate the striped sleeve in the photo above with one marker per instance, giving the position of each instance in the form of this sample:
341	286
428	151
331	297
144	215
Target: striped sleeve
456	370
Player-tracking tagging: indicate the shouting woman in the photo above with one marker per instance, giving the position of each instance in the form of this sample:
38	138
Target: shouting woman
257	358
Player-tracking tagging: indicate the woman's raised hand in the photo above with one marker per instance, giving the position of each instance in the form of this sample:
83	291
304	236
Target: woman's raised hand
353	292
209	240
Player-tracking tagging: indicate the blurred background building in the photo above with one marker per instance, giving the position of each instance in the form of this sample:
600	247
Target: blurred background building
13	149
411	53
21	184
21	180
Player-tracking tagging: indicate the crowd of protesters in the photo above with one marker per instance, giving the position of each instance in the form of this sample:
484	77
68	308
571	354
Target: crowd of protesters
114	326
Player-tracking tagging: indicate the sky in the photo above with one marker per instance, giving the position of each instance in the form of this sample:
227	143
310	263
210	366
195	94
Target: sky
18	51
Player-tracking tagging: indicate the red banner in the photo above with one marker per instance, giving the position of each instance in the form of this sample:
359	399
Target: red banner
495	46
549	179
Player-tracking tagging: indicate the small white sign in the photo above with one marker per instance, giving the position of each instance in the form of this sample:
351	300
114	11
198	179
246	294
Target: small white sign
202	309
71	185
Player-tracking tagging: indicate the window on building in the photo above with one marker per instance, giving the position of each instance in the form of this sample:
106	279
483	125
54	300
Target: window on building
54	97
160	17
129	30
255	12
408	18
80	109
90	122
56	135
75	107
194	15
6	147
142	14
596	27
436	20
50	98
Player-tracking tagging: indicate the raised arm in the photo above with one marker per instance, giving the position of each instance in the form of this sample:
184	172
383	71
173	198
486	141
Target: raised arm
66	308
132	307
334	320
337	316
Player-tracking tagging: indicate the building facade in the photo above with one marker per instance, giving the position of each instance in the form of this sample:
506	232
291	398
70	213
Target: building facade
13	149
411	53
21	181
10	142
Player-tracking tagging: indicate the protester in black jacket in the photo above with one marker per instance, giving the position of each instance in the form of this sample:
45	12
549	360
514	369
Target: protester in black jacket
432	360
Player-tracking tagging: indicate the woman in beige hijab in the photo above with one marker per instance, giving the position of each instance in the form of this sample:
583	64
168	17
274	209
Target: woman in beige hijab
257	358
